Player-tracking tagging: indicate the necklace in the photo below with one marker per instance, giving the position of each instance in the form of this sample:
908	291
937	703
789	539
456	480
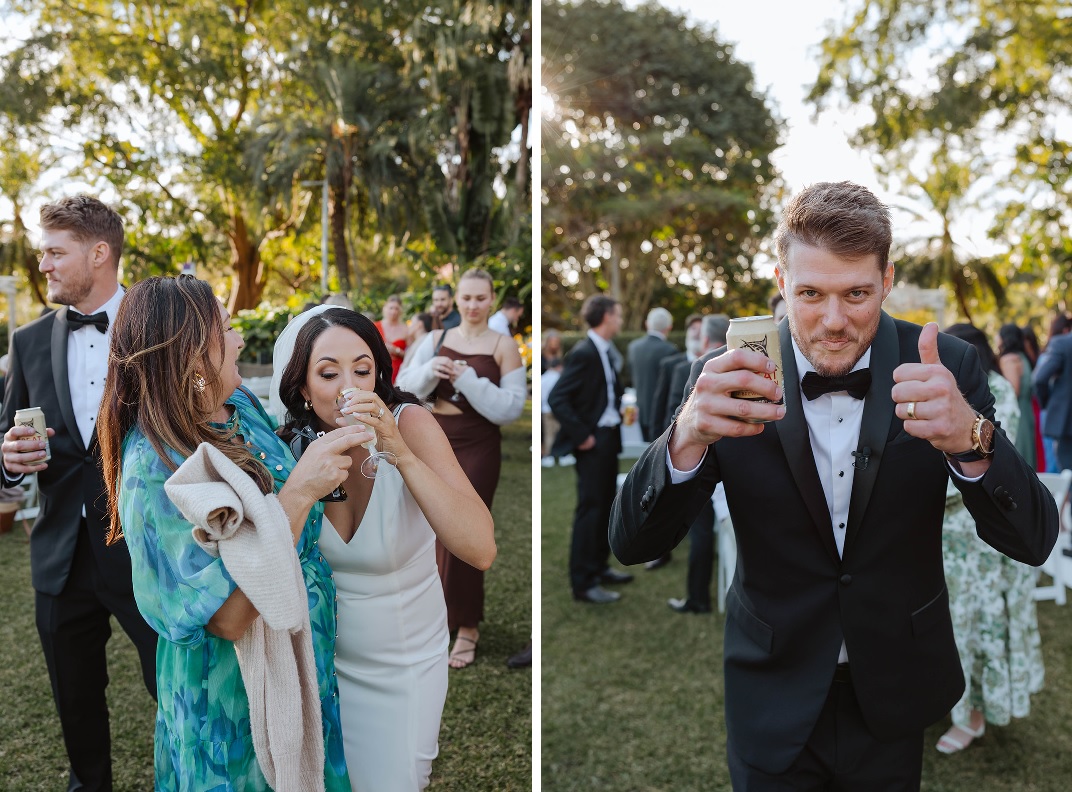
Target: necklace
473	338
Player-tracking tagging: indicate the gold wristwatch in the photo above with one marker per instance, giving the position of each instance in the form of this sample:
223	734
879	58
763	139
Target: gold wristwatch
982	442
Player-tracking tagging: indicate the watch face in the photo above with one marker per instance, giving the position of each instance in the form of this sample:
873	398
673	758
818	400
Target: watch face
986	436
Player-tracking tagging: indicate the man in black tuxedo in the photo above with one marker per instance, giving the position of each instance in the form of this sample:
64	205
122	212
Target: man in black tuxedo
58	363
839	648
644	354
585	400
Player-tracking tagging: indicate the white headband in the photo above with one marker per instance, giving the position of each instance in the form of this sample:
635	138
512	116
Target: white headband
284	349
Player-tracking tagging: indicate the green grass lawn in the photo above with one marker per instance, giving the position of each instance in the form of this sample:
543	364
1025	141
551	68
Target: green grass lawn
632	692
486	738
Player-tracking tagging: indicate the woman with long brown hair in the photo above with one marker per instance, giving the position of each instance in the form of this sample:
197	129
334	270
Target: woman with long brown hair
173	386
478	381
394	331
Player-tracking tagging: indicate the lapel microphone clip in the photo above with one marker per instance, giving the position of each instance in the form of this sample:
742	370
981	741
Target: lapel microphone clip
863	456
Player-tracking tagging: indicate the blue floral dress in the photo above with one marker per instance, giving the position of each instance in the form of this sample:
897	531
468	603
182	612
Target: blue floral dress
203	741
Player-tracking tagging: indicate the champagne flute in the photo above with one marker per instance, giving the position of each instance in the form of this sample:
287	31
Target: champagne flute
371	466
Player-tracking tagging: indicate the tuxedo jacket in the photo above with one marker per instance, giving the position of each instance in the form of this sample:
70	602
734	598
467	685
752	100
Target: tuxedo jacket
644	354
793	600
37	377
580	397
1053	384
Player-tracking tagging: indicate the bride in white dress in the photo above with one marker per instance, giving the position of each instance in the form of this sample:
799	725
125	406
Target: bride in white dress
391	648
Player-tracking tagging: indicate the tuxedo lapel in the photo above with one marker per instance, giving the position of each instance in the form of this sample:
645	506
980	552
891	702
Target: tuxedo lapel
875	426
796	443
62	382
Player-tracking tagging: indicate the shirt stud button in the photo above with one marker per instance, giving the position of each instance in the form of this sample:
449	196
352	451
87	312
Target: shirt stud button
277	467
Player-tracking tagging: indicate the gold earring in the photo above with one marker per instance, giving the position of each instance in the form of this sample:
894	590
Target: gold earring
199	383
308	405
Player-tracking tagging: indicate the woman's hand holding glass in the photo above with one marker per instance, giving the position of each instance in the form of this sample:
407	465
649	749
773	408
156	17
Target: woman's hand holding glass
364	408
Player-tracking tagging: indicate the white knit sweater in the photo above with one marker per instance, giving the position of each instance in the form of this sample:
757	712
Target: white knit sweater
250	532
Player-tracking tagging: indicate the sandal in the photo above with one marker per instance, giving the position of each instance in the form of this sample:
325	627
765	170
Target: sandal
460	658
950	743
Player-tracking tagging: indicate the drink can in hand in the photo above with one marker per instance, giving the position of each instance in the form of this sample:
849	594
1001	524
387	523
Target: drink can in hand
35	417
759	334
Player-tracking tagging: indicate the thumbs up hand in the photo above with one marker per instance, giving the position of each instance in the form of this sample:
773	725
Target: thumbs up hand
929	401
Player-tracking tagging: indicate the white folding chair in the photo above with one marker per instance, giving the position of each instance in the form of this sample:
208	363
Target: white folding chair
30	507
1058	484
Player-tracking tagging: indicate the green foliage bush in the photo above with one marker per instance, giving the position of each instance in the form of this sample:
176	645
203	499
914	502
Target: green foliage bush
260	327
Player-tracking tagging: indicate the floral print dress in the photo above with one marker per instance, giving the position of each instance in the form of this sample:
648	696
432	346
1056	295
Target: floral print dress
990	599
203	741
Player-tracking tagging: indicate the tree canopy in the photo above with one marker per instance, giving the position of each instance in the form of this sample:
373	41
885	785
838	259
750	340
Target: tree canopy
969	104
657	180
210	118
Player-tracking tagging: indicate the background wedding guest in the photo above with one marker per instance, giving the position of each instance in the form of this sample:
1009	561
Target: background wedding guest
174	386
391	649
420	325
478	382
995	623
587	405
548	423
394	331
1053	382
702	531
644	354
1058	326
666	399
550	348
444	314
59	363
506	317
1016	368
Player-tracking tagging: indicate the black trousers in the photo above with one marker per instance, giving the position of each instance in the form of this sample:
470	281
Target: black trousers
597	474
74	628
701	557
841	755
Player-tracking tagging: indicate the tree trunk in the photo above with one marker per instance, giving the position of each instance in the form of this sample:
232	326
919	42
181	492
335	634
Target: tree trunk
247	284
338	236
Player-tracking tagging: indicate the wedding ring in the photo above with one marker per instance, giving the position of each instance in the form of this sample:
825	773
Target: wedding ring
380	413
911	411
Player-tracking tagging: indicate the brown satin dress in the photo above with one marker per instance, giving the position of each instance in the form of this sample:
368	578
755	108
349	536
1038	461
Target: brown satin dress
477	444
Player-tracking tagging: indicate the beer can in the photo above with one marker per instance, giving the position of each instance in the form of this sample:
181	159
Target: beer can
759	334
35	417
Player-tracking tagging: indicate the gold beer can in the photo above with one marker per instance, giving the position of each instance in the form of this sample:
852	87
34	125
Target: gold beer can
35	417
759	334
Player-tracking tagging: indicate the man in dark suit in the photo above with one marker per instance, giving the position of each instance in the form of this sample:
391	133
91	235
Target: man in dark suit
839	648
644	355
58	363
666	399
702	531
585	400
1053	385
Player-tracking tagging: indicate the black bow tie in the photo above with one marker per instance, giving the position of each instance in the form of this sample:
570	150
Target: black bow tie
77	320
856	383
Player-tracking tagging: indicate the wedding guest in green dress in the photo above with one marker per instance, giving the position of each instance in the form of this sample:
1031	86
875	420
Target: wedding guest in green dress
995	623
173	384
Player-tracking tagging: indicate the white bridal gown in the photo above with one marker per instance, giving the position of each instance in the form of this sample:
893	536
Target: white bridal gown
391	650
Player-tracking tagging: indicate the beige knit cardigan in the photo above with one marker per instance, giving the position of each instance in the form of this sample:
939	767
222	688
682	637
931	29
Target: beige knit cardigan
250	532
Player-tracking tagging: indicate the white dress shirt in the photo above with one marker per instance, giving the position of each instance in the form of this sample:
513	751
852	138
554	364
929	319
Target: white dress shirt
87	366
499	323
610	416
